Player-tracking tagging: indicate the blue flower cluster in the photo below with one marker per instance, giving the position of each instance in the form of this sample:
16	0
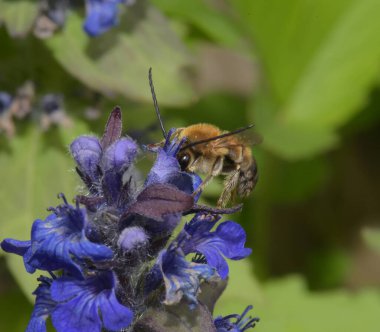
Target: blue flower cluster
5	101
101	15
48	110
241	324
110	257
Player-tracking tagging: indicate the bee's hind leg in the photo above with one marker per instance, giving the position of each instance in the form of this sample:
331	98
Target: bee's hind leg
230	183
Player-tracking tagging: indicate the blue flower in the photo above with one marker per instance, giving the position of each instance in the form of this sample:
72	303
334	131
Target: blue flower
43	307
241	324
52	103
5	102
88	305
78	305
59	242
57	11
133	238
87	152
166	169
102	163
181	278
226	241
101	15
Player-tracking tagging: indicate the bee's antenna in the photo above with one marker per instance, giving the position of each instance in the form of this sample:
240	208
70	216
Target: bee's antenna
237	131
155	102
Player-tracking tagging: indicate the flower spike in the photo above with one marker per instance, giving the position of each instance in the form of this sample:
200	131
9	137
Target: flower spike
113	261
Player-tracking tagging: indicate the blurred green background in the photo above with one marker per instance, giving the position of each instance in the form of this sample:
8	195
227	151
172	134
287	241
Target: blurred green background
306	73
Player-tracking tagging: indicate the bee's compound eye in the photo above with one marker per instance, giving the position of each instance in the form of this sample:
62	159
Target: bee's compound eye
184	160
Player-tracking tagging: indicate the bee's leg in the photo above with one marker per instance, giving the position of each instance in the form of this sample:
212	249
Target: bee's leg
216	169
230	184
236	154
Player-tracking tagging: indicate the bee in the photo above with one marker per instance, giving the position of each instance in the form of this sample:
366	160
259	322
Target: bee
213	152
210	151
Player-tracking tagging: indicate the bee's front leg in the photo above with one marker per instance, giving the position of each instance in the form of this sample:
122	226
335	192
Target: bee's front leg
215	171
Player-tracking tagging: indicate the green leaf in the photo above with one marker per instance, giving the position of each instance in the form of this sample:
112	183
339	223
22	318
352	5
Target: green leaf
34	168
290	141
18	16
215	24
287	306
242	290
118	61
320	60
291	307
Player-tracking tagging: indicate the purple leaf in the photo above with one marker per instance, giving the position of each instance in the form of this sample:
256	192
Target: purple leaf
159	200
113	128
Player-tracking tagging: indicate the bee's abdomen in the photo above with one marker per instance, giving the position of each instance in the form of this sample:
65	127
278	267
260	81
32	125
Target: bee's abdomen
247	180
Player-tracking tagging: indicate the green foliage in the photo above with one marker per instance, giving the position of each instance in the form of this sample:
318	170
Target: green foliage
200	14
18	16
319	60
118	62
287	306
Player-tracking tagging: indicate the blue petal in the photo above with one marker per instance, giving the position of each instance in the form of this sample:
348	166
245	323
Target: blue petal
60	242
77	315
21	248
215	259
227	241
117	158
196	183
115	316
241	323
119	155
87	153
43	307
5	101
186	182
233	237
166	169
101	16
36	324
182	278
90	304
15	246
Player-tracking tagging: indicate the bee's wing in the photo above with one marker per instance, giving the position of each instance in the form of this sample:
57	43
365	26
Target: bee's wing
245	138
252	138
